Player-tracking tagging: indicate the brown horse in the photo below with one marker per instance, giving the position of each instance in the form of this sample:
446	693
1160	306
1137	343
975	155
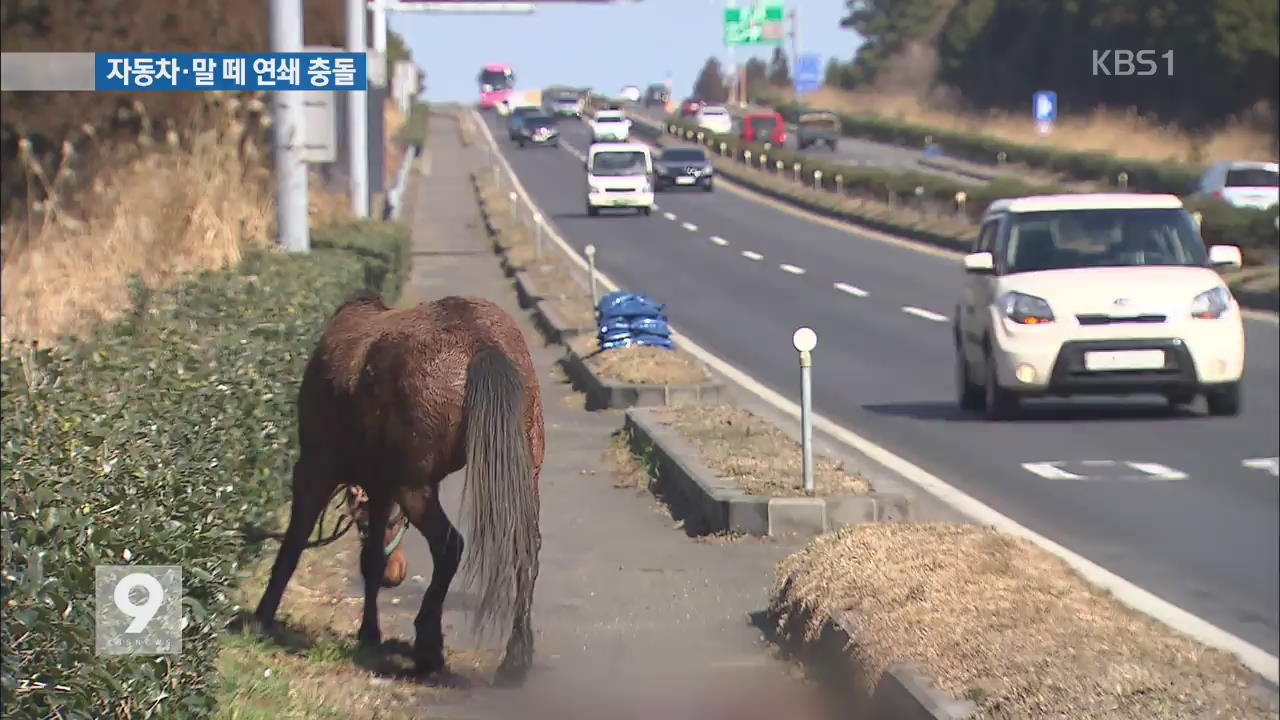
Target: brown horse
394	401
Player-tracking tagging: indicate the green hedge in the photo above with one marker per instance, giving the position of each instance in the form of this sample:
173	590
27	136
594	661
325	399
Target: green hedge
1144	175
1253	230
414	130
167	435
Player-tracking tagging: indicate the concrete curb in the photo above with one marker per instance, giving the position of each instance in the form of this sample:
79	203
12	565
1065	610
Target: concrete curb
904	691
712	504
1248	298
604	394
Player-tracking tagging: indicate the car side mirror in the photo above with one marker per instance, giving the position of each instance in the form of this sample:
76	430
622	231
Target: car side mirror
1225	257
982	263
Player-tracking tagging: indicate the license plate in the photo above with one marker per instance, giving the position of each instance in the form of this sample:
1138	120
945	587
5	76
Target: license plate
622	201
1124	360
685	180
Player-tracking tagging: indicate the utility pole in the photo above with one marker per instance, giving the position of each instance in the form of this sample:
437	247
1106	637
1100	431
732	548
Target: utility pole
357	117
287	124
379	8
794	33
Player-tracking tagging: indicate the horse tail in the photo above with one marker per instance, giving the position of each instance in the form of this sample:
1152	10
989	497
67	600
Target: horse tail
499	502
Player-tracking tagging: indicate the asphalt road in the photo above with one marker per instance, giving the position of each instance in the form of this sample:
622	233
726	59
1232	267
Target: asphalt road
858	152
1183	505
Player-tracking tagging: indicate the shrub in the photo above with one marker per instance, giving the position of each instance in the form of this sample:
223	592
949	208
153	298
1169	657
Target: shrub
414	131
164	438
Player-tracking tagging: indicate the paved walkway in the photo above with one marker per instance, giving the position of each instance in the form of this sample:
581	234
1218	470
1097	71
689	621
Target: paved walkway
623	596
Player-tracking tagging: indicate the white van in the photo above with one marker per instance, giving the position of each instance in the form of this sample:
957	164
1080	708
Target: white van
619	175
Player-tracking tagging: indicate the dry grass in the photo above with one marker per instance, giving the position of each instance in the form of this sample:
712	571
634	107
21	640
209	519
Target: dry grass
156	217
755	453
640	365
1123	134
1001	622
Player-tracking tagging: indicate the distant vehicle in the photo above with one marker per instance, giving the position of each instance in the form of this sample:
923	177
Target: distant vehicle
1107	294
618	177
520	99
610	125
565	104
538	130
682	167
496	82
690	107
630	93
766	127
716	119
817	127
516	119
657	94
1242	184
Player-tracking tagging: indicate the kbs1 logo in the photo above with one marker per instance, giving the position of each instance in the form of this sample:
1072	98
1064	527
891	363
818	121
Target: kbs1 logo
1130	63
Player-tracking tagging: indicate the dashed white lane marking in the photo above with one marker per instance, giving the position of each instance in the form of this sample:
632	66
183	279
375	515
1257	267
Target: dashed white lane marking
791	269
719	240
926	314
1158	471
1268	465
750	255
689	226
847	288
1051	471
669	216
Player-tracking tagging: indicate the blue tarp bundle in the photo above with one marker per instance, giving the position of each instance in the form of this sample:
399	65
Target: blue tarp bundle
626	319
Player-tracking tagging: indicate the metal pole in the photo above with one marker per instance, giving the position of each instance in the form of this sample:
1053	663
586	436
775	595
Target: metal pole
591	271
287	123
380	26
358	117
805	340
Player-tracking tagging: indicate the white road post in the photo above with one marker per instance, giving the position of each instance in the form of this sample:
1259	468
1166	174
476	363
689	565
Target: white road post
511	196
358	117
590	250
1123	180
817	179
537	236
287	118
805	340
796	168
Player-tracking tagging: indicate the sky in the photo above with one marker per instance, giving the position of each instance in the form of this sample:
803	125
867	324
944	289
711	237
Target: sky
605	46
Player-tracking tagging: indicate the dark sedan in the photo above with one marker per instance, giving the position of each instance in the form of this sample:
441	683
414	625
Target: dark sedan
682	167
538	130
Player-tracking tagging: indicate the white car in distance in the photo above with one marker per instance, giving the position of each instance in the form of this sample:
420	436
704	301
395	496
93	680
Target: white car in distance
630	93
1242	184
610	126
619	175
1096	294
716	119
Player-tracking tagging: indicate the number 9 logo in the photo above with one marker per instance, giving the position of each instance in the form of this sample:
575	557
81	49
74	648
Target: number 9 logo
141	614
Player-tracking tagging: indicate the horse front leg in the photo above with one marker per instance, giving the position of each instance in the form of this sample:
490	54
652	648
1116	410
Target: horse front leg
313	485
423	509
373	565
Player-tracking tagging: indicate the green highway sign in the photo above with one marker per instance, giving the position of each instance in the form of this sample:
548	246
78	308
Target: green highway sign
759	24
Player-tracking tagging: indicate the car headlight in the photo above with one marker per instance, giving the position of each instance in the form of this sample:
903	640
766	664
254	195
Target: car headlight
1211	304
1025	309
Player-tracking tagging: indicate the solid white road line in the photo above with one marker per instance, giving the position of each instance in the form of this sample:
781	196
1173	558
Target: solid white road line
689	226
847	288
792	269
926	314
1051	471
719	240
751	255
669	216
1259	660
1270	465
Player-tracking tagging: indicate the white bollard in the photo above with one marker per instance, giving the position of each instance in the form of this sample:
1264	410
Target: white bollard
723	148
840	184
961	197
778	166
1123	180
537	236
590	250
497	178
817	179
746	156
700	136
514	210
1001	157
805	340
796	168
764	160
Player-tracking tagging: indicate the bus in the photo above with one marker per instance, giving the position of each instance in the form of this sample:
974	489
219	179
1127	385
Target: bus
496	82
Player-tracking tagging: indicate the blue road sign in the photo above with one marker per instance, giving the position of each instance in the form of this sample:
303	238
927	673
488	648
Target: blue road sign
808	73
1044	106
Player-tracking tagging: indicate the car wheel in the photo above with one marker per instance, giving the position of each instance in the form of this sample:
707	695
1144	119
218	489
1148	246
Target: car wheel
520	143
968	392
833	146
1179	400
1224	401
1000	404
708	186
592	211
646	211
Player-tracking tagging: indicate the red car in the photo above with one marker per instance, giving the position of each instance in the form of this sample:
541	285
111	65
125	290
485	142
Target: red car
691	107
764	127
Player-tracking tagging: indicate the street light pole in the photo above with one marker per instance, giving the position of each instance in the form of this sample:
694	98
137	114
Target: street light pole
358	117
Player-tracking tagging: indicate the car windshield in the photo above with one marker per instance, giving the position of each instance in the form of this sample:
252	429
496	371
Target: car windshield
1253	177
609	119
621	162
564	99
1061	240
533	122
496	80
683	155
764	125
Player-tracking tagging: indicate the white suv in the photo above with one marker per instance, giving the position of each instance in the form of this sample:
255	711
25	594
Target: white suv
610	126
1109	294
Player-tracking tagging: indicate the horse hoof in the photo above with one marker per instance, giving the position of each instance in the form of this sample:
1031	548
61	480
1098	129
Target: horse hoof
511	674
369	639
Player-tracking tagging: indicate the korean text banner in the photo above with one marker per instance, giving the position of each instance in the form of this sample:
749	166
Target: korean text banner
231	72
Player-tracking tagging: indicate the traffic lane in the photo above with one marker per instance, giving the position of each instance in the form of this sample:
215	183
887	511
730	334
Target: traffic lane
894	386
889	273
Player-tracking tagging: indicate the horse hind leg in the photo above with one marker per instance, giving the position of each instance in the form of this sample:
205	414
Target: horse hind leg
425	512
373	567
313	485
